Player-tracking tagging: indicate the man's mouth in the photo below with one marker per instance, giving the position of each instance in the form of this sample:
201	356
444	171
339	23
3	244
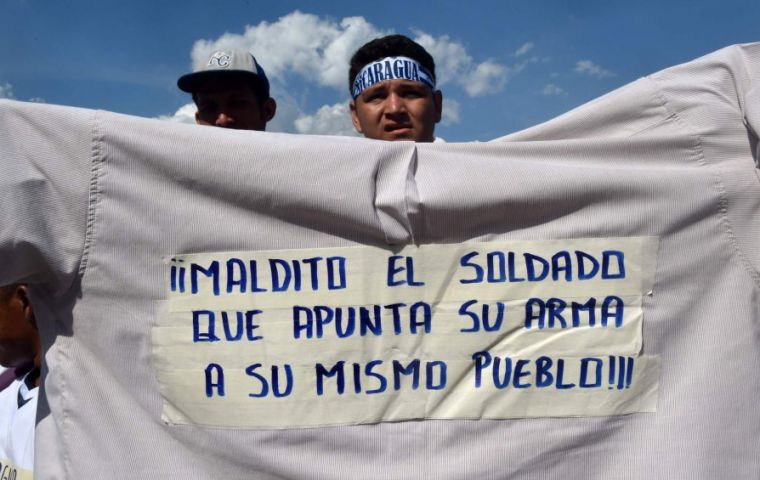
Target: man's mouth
398	128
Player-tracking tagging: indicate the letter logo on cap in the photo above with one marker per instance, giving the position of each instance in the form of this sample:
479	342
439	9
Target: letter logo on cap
220	59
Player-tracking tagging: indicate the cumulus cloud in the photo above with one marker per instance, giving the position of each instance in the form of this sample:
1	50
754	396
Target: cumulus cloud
288	111
486	77
301	43
454	64
587	67
328	120
318	50
6	90
184	114
552	89
525	48
450	114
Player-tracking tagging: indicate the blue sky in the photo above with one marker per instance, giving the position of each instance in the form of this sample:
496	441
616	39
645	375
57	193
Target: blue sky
502	65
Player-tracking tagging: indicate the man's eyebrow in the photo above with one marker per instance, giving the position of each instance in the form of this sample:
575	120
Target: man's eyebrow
378	87
413	86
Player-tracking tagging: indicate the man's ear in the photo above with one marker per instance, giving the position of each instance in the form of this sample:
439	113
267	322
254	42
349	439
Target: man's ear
438	100
268	109
355	117
21	297
197	118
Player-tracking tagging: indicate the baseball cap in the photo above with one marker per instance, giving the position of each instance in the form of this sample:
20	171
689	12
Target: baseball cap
227	63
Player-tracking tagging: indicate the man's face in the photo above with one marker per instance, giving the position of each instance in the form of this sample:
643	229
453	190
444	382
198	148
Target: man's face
19	339
397	110
232	104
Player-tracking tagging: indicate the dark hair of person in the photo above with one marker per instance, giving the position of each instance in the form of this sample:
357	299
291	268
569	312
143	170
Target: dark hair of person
390	46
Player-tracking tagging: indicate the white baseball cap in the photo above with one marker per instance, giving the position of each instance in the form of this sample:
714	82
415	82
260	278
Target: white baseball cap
227	63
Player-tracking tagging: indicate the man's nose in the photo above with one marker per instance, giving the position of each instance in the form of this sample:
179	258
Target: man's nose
223	120
395	104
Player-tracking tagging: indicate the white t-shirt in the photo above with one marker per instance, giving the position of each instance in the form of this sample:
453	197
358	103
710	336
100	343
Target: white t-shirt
18	410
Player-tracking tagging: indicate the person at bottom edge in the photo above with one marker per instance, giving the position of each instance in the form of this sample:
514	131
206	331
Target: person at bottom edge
20	353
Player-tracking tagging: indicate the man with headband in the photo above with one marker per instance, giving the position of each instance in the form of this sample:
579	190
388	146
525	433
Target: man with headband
392	84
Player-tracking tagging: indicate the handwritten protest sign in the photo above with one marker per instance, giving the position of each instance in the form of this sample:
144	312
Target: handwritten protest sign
299	338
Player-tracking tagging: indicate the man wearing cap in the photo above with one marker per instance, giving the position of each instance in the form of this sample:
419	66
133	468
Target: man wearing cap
230	90
392	84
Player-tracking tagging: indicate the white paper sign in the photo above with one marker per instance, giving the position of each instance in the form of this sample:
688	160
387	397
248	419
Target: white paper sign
300	338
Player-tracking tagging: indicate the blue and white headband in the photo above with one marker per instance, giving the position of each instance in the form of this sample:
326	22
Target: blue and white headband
391	68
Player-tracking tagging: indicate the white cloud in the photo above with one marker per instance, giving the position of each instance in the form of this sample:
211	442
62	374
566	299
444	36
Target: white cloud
552	89
525	48
300	43
587	67
454	64
6	90
328	120
287	113
319	50
487	77
450	112
184	114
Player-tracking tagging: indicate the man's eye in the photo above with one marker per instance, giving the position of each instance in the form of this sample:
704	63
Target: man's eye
375	94
413	94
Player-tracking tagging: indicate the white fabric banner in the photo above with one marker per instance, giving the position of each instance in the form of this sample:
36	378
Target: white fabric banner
105	214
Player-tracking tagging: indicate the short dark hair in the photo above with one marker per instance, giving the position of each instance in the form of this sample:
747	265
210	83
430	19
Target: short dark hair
389	46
